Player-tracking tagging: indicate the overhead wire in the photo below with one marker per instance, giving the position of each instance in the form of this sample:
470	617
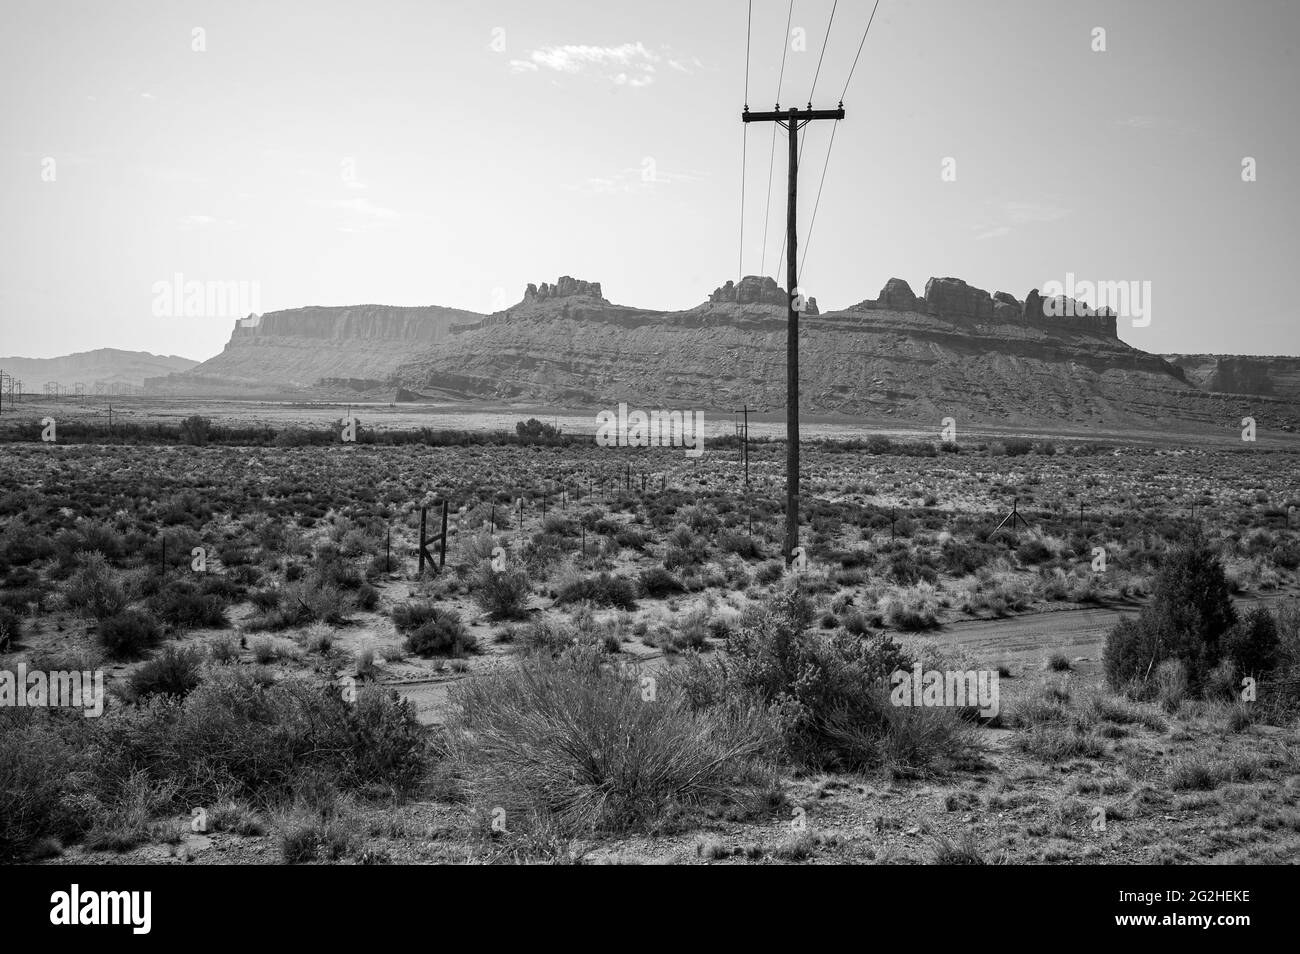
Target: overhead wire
771	159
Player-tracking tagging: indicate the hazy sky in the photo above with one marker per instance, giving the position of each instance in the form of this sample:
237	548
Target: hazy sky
441	152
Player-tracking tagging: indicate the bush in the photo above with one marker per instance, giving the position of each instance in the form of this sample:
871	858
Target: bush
184	605
656	583
829	692
1253	644
44	778
442	634
410	615
129	635
501	593
567	744
93	589
239	736
1190	612
11	629
196	430
367	597
603	589
174	673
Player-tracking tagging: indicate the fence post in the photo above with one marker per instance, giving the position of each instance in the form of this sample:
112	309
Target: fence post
422	550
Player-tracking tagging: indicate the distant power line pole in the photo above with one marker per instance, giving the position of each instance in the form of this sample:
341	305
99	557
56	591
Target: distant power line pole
793	120
745	438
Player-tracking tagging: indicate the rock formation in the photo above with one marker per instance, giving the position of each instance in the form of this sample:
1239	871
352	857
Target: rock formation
757	290
566	287
954	300
298	347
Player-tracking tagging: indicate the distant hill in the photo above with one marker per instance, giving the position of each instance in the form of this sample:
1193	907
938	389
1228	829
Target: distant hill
955	351
106	366
300	347
1273	376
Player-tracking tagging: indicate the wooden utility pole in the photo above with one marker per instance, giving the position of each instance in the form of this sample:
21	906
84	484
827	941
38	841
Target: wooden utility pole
793	120
744	440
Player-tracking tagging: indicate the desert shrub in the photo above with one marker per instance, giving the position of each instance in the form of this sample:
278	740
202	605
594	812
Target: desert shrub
829	692
603	589
184	604
631	538
570	744
45	782
411	614
196	430
129	634
90	536
442	634
267	599
501	593
690	633
962	559
224	650
366	597
238	736
299	603
533	430
910	611
656	583
1033	550
699	518
548	636
1059	662
1057	743
1190	612
93	589
1171	684
11	629
769	572
175	672
264	651
1252	644
906	568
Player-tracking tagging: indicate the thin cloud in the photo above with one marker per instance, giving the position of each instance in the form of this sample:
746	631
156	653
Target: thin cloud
1004	217
634	179
628	64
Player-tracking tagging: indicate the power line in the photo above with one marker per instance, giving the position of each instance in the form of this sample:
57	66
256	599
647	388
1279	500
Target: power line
749	25
771	158
813	221
831	145
825	40
804	140
744	145
785	48
744	148
859	53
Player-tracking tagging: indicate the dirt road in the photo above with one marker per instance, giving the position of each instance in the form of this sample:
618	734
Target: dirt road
1020	642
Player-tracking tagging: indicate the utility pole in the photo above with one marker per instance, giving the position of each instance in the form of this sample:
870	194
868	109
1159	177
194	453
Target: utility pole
792	120
744	437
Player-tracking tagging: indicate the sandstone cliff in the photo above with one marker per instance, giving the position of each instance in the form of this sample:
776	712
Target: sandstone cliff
301	346
954	351
1274	376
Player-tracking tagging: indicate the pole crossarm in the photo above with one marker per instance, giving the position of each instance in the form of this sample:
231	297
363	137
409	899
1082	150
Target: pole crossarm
783	116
